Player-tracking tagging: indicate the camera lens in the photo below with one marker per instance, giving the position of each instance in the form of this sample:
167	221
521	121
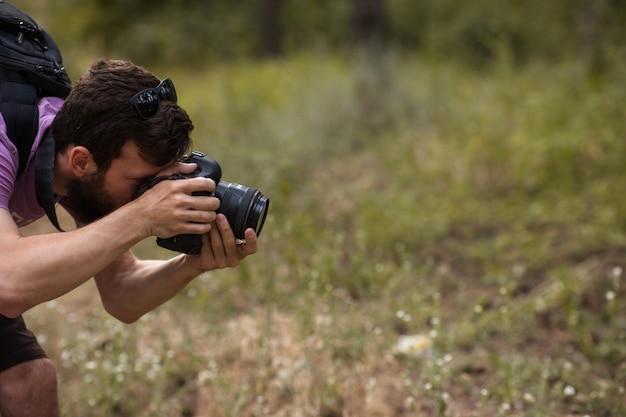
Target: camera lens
244	207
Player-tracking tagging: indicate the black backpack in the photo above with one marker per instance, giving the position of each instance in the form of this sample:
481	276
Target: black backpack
30	68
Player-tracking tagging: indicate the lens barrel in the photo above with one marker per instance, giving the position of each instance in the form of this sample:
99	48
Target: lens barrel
244	207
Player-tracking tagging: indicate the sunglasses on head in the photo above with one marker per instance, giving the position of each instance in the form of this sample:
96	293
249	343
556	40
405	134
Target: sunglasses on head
145	103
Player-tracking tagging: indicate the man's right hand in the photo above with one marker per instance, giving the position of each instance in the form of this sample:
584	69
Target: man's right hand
169	208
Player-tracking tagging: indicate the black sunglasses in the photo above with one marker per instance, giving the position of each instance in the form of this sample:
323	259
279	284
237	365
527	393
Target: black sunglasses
145	102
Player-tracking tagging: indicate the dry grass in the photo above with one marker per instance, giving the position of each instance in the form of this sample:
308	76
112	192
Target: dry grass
461	254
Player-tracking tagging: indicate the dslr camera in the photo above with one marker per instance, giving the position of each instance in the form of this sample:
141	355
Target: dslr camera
244	207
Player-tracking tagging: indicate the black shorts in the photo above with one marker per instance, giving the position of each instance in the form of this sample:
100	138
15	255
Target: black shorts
17	343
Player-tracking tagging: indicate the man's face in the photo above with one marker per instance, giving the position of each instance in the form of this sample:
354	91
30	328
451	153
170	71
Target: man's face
99	194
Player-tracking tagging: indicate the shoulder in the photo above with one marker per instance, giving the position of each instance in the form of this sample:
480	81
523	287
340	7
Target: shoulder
8	154
48	108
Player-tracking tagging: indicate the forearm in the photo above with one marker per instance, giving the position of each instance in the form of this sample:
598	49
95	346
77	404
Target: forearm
39	268
130	288
35	269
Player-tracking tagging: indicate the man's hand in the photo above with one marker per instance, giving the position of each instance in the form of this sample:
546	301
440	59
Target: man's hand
169	208
220	248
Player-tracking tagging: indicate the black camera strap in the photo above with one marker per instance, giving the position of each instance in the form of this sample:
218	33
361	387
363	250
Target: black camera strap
44	173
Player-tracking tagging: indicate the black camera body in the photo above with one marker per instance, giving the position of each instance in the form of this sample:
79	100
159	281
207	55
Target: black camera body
243	206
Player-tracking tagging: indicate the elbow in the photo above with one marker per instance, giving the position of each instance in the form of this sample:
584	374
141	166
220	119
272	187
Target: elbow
126	316
120	308
11	312
127	319
16	294
10	306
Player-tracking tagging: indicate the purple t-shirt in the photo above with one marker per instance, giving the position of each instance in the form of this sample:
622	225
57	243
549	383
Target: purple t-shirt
19	196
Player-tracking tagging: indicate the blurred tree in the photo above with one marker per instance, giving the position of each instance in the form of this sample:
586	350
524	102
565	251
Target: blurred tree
318	25
373	84
369	21
603	25
476	33
271	28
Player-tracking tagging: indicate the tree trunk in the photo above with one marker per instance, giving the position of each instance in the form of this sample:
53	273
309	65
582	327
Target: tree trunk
271	30
369	21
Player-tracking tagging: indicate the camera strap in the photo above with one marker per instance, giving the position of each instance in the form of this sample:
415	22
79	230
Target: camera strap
44	172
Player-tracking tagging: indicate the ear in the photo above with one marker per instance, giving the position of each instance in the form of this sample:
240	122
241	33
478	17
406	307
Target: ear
81	162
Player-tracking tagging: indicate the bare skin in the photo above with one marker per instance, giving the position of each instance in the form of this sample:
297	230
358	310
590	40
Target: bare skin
36	269
29	390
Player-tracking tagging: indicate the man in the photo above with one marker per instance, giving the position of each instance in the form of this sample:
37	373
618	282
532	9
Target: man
119	127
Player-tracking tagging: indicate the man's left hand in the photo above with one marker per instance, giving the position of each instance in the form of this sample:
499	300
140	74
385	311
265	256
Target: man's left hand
220	249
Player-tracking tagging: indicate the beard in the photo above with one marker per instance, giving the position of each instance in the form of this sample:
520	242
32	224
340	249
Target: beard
88	200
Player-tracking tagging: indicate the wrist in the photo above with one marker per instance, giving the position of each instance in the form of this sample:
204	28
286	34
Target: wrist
141	224
192	264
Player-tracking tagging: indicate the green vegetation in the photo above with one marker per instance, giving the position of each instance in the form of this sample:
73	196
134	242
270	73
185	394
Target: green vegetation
198	33
446	233
475	216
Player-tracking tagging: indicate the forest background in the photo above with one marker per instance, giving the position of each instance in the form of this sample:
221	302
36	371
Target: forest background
446	232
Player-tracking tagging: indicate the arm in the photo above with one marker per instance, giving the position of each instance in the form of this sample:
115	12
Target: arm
39	268
35	269
129	287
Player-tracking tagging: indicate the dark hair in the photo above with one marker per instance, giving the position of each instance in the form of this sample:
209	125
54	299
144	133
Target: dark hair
161	138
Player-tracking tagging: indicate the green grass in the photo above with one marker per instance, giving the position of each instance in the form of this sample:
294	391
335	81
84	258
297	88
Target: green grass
481	211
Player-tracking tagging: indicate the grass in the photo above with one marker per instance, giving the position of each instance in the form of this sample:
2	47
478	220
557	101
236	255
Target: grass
478	217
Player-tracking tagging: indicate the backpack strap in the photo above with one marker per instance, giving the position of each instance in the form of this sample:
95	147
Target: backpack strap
18	105
44	172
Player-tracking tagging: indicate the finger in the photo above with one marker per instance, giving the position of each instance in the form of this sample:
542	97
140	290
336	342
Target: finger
209	260
207	251
217	246
226	232
197	184
228	243
203	203
177	168
199	216
187	168
250	245
174	195
250	235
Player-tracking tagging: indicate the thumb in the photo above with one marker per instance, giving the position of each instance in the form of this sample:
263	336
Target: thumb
187	168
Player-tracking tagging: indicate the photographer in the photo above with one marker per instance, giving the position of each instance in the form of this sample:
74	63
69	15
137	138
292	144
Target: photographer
119	127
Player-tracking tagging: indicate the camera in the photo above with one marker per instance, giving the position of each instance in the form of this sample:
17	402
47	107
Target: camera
244	207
